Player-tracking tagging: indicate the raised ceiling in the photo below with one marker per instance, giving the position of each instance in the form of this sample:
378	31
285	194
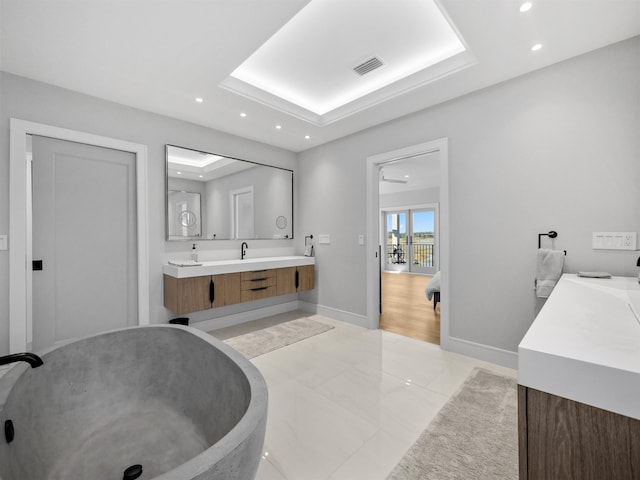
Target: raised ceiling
159	55
322	74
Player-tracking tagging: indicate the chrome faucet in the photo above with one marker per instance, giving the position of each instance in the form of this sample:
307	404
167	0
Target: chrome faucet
243	250
31	358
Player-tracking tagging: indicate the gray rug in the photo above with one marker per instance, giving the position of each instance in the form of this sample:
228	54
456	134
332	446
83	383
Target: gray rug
474	436
278	336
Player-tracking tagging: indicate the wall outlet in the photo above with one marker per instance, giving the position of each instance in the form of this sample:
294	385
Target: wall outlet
324	239
3	242
615	241
360	239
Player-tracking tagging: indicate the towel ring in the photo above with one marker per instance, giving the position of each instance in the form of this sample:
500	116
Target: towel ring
550	234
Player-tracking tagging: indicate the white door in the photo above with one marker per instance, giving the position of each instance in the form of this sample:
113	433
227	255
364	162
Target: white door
84	232
411	240
242	213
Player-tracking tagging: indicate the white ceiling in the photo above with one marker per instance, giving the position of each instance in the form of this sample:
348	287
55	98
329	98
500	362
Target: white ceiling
158	55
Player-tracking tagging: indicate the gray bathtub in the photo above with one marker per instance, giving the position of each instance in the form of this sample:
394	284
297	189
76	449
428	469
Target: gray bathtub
175	400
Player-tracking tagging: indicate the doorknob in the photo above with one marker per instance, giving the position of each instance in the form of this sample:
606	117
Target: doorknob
37	265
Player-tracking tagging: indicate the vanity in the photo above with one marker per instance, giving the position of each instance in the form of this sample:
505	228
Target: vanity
579	383
227	282
212	197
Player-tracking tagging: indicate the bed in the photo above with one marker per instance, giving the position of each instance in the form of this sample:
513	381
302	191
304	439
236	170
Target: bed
433	290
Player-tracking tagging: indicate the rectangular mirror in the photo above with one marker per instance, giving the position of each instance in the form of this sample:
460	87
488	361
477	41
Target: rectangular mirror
213	197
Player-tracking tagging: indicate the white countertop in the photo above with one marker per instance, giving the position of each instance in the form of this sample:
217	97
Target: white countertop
234	266
585	344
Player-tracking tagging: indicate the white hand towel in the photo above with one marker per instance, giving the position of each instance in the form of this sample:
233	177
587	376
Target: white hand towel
549	270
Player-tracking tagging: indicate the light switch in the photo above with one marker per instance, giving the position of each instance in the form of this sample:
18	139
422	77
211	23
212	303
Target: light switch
615	241
3	242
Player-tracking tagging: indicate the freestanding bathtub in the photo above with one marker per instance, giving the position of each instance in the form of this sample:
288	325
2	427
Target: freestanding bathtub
174	400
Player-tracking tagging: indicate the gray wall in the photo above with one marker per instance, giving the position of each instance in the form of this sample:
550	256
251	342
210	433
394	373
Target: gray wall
34	101
556	149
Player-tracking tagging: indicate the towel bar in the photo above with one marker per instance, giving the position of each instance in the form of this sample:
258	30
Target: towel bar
551	234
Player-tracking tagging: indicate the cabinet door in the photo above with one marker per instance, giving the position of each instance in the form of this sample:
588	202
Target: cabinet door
286	280
226	289
567	439
306	280
186	295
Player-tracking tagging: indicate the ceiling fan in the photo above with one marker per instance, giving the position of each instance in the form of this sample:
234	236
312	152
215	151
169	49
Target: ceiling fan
393	180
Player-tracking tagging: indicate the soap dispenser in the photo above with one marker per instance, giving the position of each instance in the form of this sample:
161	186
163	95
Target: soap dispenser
194	253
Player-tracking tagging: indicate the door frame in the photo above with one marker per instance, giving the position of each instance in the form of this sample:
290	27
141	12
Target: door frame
373	164
409	209
20	256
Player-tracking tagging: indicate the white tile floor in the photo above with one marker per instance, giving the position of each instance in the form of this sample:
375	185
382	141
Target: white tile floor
348	403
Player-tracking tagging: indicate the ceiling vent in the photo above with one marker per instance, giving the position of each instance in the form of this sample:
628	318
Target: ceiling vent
368	66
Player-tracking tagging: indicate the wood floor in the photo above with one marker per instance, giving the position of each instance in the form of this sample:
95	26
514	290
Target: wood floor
405	308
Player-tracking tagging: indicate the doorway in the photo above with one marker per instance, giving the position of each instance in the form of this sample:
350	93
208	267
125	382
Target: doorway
375	263
242	213
20	255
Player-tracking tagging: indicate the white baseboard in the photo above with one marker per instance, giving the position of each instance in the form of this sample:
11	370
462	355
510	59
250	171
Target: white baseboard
336	314
506	358
238	318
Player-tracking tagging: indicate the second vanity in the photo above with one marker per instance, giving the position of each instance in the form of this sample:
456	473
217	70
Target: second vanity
226	282
579	383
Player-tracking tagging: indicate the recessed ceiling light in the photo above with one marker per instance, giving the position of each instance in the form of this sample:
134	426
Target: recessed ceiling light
406	176
199	99
179	173
243	114
526	6
201	176
536	47
307	137
278	127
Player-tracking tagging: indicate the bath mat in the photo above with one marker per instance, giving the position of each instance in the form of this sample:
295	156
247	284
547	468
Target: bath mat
474	436
278	336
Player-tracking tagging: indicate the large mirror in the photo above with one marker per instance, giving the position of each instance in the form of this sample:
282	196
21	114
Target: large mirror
213	197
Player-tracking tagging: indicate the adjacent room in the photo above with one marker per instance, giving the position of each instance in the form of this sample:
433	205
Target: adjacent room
265	240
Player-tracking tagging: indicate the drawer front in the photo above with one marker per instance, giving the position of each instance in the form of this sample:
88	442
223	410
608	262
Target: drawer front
258	283
257	274
258	293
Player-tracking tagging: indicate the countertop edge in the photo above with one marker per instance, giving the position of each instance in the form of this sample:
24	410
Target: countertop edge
218	268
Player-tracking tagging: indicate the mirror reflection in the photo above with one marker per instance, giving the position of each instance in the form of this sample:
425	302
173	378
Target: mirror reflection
213	197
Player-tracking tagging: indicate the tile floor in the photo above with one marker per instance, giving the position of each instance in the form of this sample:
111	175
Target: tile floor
348	403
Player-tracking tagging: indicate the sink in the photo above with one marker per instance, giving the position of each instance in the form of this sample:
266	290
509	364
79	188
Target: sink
232	266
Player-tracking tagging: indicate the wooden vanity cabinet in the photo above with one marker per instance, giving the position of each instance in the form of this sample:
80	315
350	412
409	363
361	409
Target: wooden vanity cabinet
563	439
295	279
193	294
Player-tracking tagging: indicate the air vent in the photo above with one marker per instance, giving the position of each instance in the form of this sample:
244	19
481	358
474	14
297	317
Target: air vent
368	66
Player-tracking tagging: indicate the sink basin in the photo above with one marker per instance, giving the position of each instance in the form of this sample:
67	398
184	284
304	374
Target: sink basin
232	266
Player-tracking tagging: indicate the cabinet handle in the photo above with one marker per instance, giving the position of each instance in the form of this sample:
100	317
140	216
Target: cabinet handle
259	279
297	279
258	288
212	291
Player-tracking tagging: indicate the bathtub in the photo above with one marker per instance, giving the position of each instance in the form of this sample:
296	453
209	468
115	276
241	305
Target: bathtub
174	400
